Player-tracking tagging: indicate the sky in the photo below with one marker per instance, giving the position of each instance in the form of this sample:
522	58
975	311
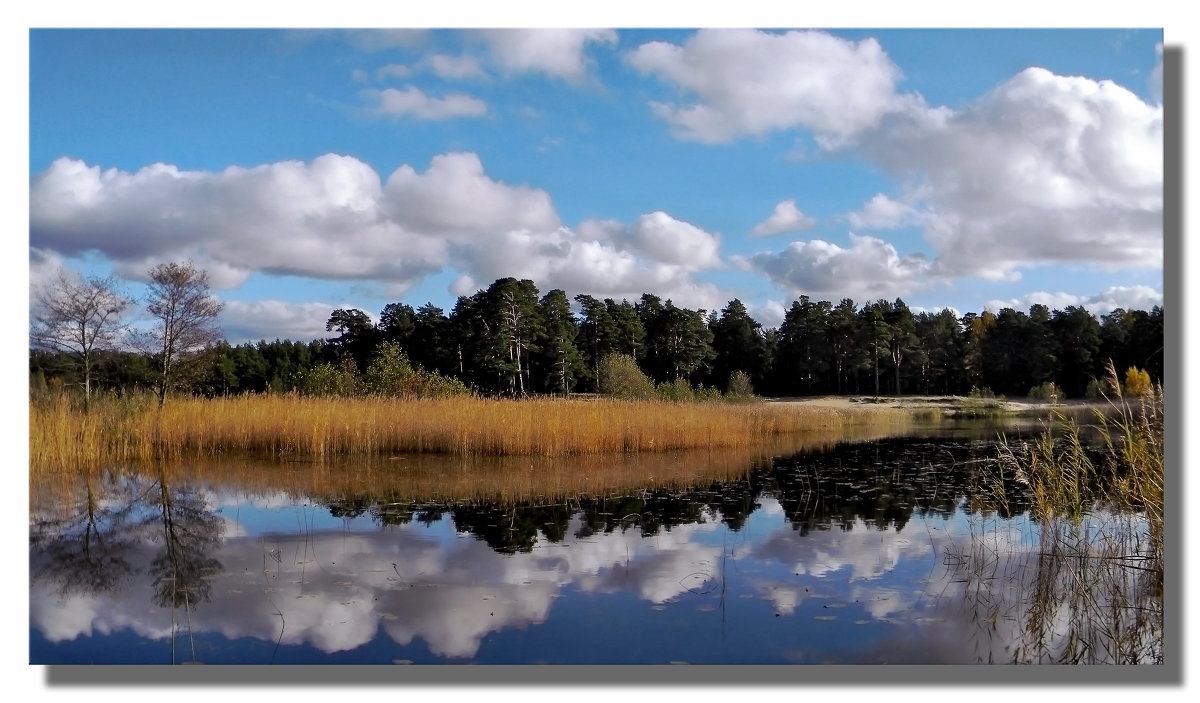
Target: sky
212	108
307	169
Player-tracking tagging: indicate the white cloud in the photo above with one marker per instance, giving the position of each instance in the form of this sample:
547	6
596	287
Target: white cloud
250	321
770	314
1127	297
600	258
559	53
1044	169
673	241
881	212
455	67
455	197
392	70
750	83
412	101
44	267
871	268
324	219
786	217
333	219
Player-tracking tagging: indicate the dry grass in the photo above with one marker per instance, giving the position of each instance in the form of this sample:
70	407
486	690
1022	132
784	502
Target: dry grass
64	438
1093	590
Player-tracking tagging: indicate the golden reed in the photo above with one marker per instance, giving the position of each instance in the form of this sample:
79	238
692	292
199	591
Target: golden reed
63	438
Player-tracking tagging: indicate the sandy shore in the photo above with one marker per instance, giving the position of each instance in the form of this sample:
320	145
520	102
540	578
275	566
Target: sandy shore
945	402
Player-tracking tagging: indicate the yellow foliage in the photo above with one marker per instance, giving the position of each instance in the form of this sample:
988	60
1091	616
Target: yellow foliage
1137	382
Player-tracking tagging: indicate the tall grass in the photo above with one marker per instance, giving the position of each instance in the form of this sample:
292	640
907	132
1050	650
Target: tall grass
63	437
1092	591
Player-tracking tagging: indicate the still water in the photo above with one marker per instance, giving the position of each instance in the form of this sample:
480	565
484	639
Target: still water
884	551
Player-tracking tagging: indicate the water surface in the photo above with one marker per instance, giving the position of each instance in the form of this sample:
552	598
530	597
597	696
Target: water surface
892	550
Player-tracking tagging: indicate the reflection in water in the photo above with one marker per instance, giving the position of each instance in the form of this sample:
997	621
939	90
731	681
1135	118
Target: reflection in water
888	551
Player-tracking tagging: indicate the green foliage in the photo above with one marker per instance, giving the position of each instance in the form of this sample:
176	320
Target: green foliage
620	377
977	393
326	379
1048	391
677	391
390	372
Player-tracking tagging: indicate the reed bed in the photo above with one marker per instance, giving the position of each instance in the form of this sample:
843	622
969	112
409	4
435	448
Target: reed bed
1093	591
65	438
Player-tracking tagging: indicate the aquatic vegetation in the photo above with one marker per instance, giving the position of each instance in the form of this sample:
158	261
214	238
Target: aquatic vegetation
63	437
1092	590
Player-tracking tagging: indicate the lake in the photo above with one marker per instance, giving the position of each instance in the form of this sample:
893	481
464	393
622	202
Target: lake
867	550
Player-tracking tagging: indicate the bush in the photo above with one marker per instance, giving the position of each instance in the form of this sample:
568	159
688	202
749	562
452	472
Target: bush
326	379
390	371
1137	382
677	391
620	377
392	374
739	385
1048	391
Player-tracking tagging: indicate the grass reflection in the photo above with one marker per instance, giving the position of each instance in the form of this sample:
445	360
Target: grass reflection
1091	589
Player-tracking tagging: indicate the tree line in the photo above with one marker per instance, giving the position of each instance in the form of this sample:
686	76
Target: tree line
511	340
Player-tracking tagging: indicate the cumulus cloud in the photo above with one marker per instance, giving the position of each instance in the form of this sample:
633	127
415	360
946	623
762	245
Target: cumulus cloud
770	314
325	219
334	219
786	217
606	258
454	196
250	321
881	212
1126	297
1044	169
44	267
559	53
870	268
749	83
413	102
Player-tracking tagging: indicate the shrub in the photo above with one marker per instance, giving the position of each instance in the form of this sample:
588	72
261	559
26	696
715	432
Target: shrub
620	377
739	385
1137	382
677	391
390	371
977	393
326	379
1048	391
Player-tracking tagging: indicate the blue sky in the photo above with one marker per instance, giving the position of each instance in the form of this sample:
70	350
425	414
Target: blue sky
308	170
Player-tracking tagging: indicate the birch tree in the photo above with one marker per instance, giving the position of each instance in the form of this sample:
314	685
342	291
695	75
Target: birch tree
79	316
184	310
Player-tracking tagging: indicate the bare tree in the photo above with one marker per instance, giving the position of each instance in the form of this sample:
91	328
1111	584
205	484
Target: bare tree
184	310
79	316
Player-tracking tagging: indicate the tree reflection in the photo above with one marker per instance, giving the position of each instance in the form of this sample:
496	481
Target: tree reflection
191	533
88	552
